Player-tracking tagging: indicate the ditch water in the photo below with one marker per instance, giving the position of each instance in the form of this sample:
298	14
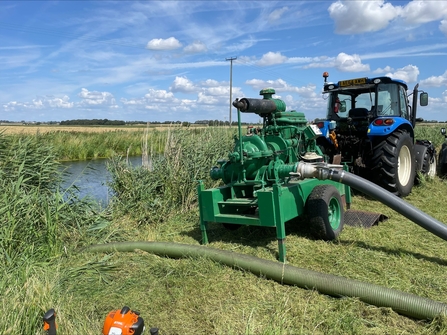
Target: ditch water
91	177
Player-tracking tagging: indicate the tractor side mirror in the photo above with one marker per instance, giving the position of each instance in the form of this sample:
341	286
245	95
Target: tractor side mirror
443	131
423	98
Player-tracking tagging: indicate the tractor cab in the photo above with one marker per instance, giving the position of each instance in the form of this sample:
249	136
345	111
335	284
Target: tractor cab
357	102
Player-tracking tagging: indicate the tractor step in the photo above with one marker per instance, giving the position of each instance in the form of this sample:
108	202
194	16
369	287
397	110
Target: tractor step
356	218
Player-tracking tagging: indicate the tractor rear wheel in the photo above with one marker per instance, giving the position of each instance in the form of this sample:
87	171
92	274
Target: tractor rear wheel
325	212
393	163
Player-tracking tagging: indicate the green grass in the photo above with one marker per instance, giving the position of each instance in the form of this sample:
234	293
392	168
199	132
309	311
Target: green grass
196	296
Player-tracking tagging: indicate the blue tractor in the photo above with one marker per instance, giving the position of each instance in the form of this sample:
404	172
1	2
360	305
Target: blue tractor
370	128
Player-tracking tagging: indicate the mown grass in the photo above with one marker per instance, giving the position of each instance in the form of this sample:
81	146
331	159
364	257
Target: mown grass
198	296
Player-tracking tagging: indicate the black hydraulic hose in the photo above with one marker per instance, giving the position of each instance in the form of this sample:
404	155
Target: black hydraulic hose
417	216
401	302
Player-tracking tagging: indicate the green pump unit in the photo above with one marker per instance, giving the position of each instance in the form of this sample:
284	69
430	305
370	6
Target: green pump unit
267	155
260	177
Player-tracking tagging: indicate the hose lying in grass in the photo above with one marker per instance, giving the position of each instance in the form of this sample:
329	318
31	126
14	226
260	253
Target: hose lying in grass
401	302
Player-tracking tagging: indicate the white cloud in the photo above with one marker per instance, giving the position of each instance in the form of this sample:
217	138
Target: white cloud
384	70
435	81
182	84
159	96
417	12
212	83
170	43
206	99
272	58
133	102
408	73
47	102
343	62
96	99
281	85
277	13
354	17
195	47
350	63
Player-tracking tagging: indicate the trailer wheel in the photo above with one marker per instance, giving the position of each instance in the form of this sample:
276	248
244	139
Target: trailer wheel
432	167
325	212
393	163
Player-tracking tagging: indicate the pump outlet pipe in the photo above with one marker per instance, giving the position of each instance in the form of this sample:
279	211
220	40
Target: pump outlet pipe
323	171
401	302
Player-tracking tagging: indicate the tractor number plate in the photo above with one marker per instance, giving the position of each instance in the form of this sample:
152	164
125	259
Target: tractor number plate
352	82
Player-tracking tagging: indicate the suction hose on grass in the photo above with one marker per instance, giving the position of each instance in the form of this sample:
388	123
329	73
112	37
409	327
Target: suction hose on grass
401	302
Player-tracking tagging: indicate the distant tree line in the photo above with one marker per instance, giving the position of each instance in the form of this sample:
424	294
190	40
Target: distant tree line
93	122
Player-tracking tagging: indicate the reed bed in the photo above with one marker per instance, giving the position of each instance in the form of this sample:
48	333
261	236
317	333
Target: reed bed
77	145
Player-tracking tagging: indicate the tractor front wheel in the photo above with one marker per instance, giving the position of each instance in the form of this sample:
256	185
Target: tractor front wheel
325	212
393	163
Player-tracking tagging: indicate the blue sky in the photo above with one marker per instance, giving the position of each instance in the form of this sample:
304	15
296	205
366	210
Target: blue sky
167	60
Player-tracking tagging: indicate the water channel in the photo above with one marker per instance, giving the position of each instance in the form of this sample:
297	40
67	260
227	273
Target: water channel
91	177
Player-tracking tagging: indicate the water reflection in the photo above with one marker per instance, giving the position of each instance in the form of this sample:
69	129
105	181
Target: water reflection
91	177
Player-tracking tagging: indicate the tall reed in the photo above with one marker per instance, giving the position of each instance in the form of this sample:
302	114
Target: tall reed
33	208
170	184
76	145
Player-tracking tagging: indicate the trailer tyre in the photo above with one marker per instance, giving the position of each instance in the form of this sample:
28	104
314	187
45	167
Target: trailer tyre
393	163
325	212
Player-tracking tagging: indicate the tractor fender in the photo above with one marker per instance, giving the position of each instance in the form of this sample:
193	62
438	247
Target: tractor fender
375	130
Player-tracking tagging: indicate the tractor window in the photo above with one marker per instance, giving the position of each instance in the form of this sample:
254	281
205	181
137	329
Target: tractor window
387	100
365	100
403	103
339	104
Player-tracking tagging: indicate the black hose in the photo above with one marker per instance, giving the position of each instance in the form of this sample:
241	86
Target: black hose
403	303
412	213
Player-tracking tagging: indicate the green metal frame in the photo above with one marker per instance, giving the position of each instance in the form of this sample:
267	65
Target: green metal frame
275	205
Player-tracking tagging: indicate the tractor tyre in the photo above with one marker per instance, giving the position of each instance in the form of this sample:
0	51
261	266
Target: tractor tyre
324	209
393	164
